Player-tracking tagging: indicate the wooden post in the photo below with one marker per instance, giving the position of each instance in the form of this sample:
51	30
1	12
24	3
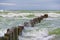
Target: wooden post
39	20
26	24
16	33
32	22
35	20
7	36
20	28
10	31
45	15
13	33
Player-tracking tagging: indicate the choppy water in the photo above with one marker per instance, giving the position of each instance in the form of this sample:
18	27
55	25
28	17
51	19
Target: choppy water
39	32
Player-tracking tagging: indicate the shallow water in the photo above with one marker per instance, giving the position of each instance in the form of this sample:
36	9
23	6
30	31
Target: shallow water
39	32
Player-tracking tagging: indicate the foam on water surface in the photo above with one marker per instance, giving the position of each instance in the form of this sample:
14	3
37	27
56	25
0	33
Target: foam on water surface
41	34
25	14
2	32
53	14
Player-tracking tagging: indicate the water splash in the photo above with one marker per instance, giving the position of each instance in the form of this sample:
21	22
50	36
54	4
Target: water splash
2	32
34	34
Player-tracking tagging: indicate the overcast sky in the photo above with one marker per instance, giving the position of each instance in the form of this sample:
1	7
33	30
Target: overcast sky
29	4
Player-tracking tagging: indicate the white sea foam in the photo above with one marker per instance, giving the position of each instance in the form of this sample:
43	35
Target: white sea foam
38	14
53	14
25	14
49	14
2	32
15	14
41	34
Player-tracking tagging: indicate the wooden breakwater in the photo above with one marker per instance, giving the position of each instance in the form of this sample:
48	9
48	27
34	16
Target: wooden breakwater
13	33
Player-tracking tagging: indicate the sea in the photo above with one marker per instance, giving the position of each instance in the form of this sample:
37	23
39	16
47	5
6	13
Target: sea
40	31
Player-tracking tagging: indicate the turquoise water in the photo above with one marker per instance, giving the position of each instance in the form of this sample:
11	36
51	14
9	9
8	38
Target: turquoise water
39	32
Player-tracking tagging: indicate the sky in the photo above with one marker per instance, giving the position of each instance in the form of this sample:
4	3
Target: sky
29	4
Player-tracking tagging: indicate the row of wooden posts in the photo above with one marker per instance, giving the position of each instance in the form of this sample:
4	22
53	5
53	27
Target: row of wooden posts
13	33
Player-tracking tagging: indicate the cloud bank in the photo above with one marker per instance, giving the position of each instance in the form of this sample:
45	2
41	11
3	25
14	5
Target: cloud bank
8	4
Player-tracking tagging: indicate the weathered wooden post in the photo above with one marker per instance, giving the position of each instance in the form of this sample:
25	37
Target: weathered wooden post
20	28
39	19
45	15
35	20
7	36
13	33
32	22
16	33
26	24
